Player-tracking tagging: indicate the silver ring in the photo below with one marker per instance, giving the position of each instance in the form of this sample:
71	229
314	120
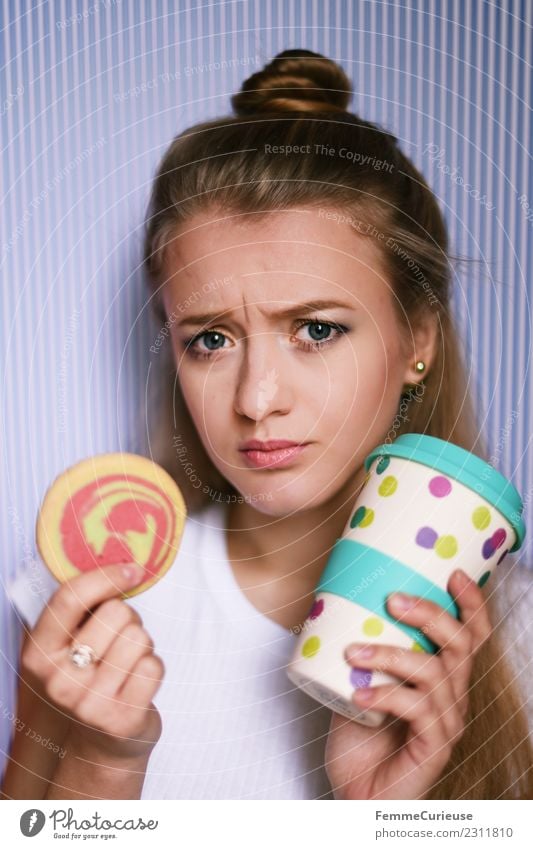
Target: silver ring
81	654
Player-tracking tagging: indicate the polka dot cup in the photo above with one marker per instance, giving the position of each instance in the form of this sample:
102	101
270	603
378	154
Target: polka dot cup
427	507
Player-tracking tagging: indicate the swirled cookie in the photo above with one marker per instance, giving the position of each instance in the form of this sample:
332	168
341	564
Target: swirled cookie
107	509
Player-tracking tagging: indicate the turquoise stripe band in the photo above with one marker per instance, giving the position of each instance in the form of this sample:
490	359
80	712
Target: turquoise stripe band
347	574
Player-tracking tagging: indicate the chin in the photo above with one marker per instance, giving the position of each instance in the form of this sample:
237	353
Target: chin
278	501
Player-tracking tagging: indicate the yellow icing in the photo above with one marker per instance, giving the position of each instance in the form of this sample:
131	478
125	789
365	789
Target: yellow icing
140	543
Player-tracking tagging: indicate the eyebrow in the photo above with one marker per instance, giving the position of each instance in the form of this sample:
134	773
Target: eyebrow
297	309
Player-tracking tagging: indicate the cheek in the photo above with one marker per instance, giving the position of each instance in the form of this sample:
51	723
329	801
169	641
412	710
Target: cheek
193	393
367	394
209	403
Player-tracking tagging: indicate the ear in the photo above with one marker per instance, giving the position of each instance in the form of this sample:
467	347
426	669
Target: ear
421	347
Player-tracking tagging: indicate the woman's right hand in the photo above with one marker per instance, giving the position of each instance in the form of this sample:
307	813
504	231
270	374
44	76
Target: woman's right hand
109	700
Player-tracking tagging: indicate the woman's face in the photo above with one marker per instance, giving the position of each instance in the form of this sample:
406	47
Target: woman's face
329	376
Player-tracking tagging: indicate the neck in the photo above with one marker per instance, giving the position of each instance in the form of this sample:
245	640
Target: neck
297	544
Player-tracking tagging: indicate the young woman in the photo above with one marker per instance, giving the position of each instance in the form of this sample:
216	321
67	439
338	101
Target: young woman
298	262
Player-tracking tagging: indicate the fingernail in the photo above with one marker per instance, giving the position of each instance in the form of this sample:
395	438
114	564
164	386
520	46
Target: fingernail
360	651
402	601
461	576
133	572
364	694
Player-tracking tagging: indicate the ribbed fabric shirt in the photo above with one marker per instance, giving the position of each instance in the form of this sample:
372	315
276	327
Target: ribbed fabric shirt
234	725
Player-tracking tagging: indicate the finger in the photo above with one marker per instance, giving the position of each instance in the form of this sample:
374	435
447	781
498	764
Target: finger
70	686
113	614
453	637
74	598
427	733
67	686
472	606
104	625
425	671
97	703
126	650
143	683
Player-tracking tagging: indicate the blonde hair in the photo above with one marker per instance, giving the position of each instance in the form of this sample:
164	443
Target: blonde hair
298	103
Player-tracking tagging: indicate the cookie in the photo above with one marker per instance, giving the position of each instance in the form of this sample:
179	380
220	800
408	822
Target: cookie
111	508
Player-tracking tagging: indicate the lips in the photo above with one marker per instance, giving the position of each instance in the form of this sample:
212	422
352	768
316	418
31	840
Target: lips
268	445
283	453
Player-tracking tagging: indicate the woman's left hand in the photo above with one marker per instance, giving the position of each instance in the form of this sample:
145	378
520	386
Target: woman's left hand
405	757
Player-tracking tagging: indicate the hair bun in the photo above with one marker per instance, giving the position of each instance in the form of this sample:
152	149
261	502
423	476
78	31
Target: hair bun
295	80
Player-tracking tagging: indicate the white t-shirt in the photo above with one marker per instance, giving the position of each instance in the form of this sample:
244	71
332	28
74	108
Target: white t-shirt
234	725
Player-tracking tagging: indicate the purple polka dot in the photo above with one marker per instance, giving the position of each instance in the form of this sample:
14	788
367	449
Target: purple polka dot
488	549
504	555
426	537
440	486
317	608
498	538
360	677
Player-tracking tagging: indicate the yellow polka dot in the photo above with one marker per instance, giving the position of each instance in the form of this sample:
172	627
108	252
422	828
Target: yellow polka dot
417	647
388	486
372	626
481	518
446	546
311	647
369	518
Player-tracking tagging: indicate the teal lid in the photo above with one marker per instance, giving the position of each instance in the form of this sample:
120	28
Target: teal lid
464	467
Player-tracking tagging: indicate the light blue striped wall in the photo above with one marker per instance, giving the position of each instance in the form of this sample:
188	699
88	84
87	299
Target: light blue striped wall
74	333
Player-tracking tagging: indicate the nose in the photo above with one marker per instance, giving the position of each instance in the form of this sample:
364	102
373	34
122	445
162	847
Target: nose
263	384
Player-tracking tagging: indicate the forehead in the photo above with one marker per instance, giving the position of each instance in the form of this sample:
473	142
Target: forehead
223	261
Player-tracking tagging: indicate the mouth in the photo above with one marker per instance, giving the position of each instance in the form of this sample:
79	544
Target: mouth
275	458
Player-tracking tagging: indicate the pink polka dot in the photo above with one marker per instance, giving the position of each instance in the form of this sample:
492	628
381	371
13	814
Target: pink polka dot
440	486
317	608
498	537
494	542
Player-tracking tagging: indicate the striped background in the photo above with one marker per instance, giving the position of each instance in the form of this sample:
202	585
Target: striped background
91	94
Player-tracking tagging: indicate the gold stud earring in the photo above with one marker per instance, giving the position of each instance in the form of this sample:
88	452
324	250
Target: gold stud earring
420	366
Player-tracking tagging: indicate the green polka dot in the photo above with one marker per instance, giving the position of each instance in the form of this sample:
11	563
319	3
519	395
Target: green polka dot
417	647
388	486
362	517
357	516
446	546
372	626
481	518
369	518
483	580
311	647
382	464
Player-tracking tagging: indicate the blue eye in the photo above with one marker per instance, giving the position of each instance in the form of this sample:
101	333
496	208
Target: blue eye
216	336
321	329
322	326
